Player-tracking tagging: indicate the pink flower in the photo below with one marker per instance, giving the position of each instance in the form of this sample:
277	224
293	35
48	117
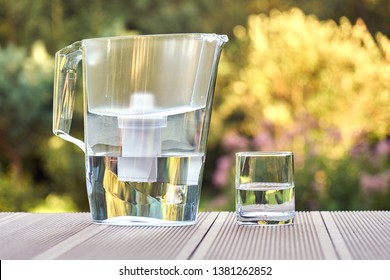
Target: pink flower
375	183
383	148
221	174
264	141
233	141
360	149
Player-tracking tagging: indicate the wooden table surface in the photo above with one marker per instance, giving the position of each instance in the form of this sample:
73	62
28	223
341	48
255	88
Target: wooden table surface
216	236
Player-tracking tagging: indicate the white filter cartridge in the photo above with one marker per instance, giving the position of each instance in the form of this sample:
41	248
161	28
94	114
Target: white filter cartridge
137	169
141	140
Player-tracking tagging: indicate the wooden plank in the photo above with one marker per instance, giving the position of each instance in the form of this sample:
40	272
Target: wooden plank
69	243
366	233
211	236
307	243
228	240
142	242
31	234
338	241
4	214
192	243
327	247
10	217
218	238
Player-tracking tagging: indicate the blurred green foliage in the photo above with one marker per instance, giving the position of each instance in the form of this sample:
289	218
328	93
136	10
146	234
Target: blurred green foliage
321	90
313	80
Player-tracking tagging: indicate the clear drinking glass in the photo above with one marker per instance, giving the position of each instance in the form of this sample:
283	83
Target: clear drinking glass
265	192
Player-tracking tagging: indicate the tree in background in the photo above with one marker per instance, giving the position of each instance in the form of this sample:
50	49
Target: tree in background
320	90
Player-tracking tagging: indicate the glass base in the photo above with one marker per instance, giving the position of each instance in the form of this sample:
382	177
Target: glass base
266	219
142	221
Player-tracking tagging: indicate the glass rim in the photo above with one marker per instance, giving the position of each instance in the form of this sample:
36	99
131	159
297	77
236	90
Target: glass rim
196	35
269	153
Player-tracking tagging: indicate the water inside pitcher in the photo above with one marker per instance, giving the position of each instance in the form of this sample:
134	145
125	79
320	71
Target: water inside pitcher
147	110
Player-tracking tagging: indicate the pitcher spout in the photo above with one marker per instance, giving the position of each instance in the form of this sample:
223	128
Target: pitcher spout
223	39
212	37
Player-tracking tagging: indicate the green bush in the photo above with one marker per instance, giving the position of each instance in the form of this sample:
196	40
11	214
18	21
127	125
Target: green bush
321	90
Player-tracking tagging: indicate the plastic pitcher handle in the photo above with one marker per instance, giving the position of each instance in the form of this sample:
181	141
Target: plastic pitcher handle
65	76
